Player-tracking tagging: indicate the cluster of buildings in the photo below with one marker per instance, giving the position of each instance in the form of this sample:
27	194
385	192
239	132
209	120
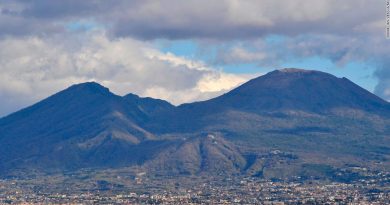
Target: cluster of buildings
207	190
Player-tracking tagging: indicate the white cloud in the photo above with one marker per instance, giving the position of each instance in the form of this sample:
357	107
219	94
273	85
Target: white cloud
33	68
218	81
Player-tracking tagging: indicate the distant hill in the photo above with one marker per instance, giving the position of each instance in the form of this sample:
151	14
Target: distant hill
288	122
208	153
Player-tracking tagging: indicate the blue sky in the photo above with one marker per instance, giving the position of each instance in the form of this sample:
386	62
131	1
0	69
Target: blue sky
359	72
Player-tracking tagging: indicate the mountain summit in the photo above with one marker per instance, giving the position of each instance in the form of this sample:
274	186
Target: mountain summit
83	125
298	89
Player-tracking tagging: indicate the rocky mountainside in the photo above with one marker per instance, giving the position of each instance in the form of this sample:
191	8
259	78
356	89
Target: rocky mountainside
281	124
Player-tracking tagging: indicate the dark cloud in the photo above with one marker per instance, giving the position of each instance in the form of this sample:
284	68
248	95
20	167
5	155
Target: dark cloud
57	9
249	19
215	19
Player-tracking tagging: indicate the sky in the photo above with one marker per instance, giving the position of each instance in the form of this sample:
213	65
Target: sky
184	51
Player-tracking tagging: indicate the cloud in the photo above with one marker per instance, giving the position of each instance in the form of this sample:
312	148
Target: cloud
233	19
213	19
33	68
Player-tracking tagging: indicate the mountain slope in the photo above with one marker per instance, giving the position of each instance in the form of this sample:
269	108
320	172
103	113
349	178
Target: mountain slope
71	128
314	115
279	93
149	106
202	153
304	90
